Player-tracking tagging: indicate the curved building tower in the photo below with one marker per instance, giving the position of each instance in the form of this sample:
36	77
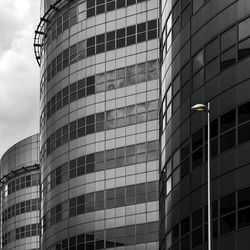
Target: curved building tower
205	49
99	123
20	196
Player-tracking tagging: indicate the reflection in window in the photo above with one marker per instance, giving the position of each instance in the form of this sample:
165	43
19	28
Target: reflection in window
228	58
244	30
198	61
244	49
227	224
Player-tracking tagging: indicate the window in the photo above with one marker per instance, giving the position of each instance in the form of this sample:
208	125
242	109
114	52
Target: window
244	218
212	50
227	121
244	29
244	198
227	224
228	38
197	218
243	133
228	58
227	140
244	113
227	204
198	61
244	49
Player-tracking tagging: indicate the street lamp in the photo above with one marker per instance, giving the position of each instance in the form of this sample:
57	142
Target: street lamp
202	107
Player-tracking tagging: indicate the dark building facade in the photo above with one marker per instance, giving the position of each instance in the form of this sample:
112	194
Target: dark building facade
99	124
205	49
20	196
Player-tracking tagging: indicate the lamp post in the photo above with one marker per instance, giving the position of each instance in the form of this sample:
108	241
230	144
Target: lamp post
202	107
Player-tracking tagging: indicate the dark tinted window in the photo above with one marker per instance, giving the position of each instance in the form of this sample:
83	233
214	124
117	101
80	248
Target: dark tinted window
227	204
244	218
227	140
227	121
197	218
244	198
244	133
185	226
227	224
244	112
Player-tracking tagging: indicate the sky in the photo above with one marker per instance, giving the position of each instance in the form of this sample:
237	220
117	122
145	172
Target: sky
19	71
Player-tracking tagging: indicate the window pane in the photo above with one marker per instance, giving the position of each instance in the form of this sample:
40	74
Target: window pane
198	61
244	112
228	38
227	204
244	49
244	218
228	58
227	224
227	141
244	198
244	133
227	121
197	218
212	69
197	237
244	29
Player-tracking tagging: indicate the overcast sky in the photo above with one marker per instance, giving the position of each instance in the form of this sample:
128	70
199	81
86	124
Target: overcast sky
19	72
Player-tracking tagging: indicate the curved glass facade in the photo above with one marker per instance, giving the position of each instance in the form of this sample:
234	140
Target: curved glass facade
99	125
20	196
205	49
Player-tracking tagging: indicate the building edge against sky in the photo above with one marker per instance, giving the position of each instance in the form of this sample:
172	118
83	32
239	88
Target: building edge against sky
99	124
205	49
20	196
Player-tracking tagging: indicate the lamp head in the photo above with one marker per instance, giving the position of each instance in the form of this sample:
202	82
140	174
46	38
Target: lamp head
199	107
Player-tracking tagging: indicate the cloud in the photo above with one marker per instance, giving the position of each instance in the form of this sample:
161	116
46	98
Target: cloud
19	72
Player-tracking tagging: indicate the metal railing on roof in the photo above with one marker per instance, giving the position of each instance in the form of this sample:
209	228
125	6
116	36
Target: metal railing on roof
17	172
39	32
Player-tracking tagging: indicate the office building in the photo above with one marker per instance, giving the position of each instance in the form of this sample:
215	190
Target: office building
205	48
20	196
99	124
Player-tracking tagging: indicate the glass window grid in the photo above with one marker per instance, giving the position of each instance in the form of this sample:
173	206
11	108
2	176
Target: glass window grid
232	215
82	88
100	161
212	65
198	150
107	199
96	8
110	238
20	208
88	128
20	233
91	45
22	182
61	22
222	53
